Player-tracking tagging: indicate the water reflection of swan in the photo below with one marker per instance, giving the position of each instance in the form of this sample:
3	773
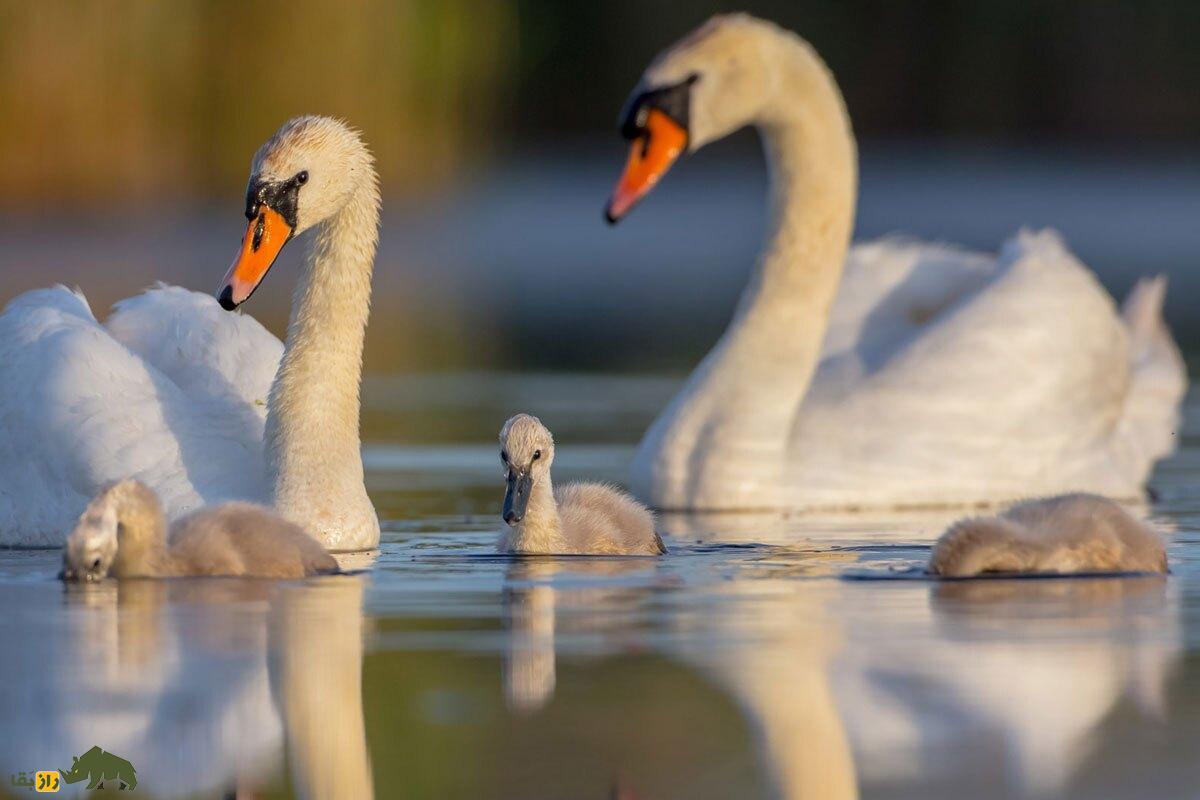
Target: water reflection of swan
773	652
531	606
193	681
775	666
931	701
1033	667
317	652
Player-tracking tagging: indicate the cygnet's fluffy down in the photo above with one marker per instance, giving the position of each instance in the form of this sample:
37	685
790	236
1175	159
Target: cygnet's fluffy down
1066	534
123	533
579	518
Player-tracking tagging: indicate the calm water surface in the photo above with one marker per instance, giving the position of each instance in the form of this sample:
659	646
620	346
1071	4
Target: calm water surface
766	656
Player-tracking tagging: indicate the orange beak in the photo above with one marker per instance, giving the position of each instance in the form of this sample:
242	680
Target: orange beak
266	235
650	156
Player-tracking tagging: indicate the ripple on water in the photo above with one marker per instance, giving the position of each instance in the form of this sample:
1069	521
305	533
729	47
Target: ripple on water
761	647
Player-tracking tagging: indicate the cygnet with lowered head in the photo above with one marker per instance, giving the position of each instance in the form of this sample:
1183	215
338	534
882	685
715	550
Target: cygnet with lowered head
1071	533
123	533
579	518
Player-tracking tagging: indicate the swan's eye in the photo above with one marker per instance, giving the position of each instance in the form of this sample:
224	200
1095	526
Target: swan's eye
537	454
302	177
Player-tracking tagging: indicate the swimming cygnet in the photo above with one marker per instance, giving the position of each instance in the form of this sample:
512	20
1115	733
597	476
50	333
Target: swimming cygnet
579	518
1066	534
123	533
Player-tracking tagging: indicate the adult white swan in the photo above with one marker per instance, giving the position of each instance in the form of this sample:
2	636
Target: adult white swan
938	376
182	395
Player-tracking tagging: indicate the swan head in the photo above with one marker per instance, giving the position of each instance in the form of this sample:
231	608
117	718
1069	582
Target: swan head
707	85
526	451
302	176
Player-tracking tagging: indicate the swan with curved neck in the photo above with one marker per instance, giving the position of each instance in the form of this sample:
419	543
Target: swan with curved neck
202	405
316	172
777	417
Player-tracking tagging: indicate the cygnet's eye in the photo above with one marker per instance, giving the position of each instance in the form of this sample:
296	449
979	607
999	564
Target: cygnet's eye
302	177
537	454
503	457
96	564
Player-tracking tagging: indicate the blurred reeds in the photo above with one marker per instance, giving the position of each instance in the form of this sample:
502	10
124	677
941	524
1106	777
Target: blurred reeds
141	99
116	100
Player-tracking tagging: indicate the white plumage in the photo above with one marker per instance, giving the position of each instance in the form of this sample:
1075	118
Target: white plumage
201	404
894	373
170	390
954	377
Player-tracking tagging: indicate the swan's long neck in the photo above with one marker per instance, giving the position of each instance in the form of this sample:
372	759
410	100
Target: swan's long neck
771	349
541	529
314	459
742	400
813	170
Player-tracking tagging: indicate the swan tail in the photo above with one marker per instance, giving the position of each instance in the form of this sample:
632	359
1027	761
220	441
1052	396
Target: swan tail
1158	375
983	544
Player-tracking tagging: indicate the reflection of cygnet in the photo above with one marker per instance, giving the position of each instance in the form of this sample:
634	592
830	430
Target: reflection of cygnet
1064	534
529	661
580	518
123	532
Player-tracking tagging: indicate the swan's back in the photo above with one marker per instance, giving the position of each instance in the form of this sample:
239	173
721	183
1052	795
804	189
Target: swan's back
162	396
1019	376
229	360
245	539
78	411
603	520
1064	534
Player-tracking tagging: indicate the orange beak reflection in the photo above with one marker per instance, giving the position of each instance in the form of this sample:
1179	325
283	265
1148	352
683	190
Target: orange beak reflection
266	235
650	156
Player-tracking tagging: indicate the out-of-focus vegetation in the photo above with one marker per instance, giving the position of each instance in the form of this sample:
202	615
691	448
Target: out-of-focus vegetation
130	99
133	99
1015	70
493	125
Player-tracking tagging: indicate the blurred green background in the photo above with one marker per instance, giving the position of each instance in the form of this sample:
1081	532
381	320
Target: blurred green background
126	128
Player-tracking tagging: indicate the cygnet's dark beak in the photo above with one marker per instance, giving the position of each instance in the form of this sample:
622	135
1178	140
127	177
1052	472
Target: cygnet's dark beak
516	496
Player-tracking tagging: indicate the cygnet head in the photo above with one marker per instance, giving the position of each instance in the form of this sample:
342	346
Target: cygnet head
707	85
302	176
526	451
91	548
